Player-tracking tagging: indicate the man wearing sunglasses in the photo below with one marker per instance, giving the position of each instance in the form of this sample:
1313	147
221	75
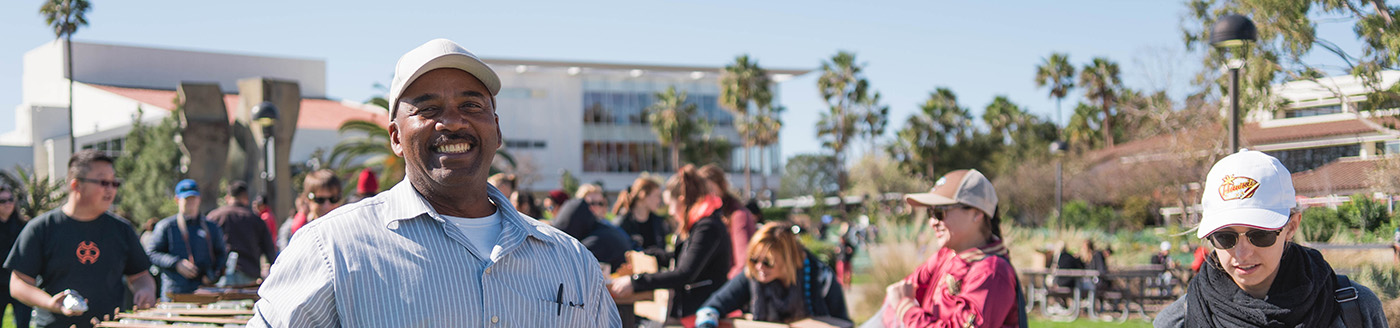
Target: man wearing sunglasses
83	248
1256	277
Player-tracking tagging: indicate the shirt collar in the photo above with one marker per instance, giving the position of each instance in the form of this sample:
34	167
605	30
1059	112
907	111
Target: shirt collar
995	248
403	202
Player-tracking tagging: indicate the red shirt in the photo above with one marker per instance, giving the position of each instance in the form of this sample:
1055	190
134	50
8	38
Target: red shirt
973	289
271	222
742	227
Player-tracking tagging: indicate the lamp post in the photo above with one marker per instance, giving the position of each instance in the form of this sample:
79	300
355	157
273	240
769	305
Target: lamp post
1231	32
1056	148
265	114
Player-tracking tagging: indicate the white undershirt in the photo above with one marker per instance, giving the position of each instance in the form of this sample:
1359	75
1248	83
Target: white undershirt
482	233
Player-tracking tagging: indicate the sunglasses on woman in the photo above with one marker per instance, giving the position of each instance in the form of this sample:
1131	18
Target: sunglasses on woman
322	200
756	261
1228	239
941	212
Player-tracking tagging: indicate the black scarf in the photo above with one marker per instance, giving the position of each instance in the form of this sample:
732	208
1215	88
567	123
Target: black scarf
1302	295
773	302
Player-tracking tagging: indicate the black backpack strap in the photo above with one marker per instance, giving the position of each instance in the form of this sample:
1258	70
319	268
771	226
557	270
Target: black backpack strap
1346	297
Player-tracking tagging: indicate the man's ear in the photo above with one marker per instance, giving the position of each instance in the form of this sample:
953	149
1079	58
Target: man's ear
394	142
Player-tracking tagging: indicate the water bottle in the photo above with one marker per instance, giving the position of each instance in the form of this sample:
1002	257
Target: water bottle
232	264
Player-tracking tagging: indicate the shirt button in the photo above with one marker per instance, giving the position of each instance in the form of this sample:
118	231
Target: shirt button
488	270
494	319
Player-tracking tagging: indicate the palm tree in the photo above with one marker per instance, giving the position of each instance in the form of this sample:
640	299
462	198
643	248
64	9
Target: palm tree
874	120
1002	116
371	144
1057	73
1082	130
763	130
841	84
65	17
928	134
744	82
1101	81
672	119
33	194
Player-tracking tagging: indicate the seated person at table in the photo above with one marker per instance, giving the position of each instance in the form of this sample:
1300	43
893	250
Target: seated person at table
781	282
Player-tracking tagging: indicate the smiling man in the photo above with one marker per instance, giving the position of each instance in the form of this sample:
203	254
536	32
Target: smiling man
442	248
1256	277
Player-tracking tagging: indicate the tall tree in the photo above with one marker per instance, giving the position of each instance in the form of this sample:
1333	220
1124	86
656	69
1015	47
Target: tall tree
1082	130
1101	81
151	165
763	129
1057	73
745	87
1287	35
922	145
1003	117
66	17
842	85
673	120
875	118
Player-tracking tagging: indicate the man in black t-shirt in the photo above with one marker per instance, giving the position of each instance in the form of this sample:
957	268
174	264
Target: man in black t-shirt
83	248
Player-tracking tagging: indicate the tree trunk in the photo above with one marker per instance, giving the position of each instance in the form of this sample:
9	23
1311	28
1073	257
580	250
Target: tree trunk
1107	123
764	174
675	156
72	131
748	176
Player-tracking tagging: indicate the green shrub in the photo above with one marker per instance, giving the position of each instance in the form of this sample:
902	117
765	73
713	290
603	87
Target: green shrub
1384	280
1363	213
1320	223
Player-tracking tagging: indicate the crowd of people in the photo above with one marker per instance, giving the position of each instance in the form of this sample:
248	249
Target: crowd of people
454	246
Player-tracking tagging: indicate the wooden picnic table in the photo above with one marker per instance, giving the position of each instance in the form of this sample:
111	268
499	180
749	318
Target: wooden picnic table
1126	287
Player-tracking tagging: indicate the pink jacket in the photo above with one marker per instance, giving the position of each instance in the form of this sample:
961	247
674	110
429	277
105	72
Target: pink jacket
973	289
742	226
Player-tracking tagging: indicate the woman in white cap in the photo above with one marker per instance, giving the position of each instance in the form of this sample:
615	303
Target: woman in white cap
970	281
1255	277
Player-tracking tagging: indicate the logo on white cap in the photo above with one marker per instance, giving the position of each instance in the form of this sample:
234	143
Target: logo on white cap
1235	187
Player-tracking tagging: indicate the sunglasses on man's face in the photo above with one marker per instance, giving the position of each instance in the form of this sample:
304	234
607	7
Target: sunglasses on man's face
323	200
103	183
1259	238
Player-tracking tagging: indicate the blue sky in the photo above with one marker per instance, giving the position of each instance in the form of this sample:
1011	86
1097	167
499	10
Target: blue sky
980	49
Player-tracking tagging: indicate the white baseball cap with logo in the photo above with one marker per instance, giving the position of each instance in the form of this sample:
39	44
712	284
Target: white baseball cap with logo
1248	188
435	54
967	187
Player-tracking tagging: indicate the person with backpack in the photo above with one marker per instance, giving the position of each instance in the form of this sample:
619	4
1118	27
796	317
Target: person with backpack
1256	277
970	282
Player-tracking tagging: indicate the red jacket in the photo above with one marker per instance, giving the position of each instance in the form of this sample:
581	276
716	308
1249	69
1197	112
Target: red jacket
973	289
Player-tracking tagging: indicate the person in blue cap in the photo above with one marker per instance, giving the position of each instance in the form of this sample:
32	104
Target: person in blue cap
188	249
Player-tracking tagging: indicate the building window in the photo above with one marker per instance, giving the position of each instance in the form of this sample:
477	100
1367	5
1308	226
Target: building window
524	144
625	157
629	108
1299	160
113	147
1313	111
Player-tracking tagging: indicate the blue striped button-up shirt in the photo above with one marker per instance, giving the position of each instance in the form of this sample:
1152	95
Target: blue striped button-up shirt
393	261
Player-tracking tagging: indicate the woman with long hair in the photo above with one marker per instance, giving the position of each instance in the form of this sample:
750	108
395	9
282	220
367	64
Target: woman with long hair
782	282
635	211
742	223
702	256
11	223
970	281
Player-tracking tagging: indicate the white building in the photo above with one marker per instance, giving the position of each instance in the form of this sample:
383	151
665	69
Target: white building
555	116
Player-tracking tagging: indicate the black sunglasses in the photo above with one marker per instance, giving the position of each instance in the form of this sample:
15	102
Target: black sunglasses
322	200
941	212
7	200
104	183
764	262
1228	239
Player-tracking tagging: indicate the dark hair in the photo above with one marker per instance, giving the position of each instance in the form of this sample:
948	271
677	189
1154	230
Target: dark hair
627	199
238	189
15	200
320	179
81	162
713	173
261	199
994	223
686	187
525	203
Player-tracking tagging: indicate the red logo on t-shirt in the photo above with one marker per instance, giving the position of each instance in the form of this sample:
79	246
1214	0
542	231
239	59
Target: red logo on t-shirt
88	252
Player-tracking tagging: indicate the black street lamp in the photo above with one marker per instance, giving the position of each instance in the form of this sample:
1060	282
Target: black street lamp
1233	31
1056	148
265	114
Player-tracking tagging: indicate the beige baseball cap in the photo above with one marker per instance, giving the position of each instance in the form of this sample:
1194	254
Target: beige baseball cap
435	54
967	187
